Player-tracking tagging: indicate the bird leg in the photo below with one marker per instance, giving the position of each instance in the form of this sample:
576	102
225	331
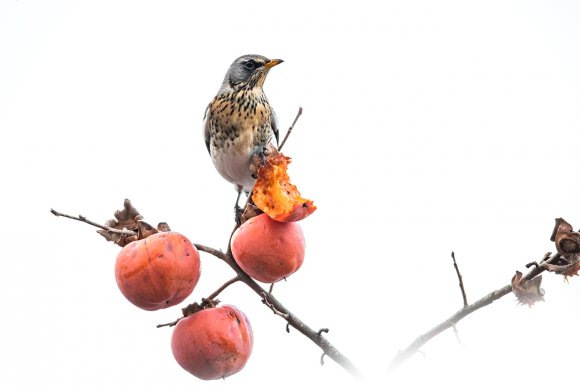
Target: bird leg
237	209
259	158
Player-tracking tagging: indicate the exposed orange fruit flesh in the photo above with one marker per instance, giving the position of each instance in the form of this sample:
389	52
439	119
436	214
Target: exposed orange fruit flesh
276	196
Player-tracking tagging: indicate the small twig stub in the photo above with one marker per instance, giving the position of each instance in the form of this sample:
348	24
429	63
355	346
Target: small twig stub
461	286
272	307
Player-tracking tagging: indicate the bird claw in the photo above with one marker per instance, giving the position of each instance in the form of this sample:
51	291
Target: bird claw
259	158
270	150
257	161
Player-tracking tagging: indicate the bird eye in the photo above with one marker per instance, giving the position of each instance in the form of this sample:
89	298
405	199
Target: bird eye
250	64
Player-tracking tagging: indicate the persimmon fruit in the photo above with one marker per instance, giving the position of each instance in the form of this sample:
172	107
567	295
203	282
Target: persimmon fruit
159	271
268	250
213	343
275	195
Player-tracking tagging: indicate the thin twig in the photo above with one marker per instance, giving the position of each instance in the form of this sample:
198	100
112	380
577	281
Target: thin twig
210	250
495	295
465	303
170	324
290	129
81	218
223	287
229	249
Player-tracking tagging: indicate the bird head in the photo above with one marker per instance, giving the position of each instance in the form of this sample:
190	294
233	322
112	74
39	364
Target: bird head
249	71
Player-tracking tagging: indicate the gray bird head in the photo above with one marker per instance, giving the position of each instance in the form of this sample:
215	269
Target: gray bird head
249	71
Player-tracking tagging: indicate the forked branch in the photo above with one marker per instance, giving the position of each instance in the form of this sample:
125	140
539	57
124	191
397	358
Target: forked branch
269	300
279	309
450	322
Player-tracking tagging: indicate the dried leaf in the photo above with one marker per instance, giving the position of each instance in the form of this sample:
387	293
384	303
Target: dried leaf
560	226
116	238
566	239
527	292
567	266
144	229
163	227
129	219
197	307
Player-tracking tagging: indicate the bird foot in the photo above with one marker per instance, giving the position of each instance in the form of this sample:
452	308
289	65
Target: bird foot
259	159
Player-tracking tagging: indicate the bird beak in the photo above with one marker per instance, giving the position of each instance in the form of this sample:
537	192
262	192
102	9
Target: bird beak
273	63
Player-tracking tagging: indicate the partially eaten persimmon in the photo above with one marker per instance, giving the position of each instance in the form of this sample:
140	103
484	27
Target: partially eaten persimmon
275	195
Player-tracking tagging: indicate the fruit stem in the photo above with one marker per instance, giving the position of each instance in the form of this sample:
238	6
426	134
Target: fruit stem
223	287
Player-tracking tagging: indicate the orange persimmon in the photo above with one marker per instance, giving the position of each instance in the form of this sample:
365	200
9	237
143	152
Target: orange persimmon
159	271
213	343
267	250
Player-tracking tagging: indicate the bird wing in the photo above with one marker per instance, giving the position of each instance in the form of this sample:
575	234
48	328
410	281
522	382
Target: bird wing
206	128
274	124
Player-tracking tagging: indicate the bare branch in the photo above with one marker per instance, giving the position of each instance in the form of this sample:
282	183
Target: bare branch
414	347
170	324
292	319
465	303
81	218
272	307
290	129
268	299
236	226
210	250
223	287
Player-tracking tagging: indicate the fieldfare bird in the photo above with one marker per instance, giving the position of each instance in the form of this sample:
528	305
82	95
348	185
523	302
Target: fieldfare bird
239	122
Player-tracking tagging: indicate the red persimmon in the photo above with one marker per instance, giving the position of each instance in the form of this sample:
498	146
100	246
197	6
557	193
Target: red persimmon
159	271
213	343
267	250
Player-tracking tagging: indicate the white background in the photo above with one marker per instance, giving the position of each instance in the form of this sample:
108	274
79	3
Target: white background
428	127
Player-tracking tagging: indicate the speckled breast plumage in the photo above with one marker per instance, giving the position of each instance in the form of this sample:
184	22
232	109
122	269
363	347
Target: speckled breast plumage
240	125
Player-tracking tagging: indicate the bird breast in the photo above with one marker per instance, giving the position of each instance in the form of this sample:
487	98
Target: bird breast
239	127
240	122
